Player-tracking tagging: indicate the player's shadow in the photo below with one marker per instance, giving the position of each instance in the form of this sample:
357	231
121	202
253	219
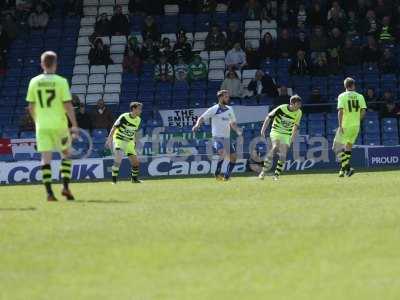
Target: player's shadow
103	201
17	209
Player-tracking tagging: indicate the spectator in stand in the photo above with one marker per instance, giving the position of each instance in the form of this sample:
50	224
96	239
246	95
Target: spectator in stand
390	109
215	39
4	40
301	14
10	26
209	6
369	24
102	116
119	22
386	34
263	84
197	69
287	15
132	57
371	99
73	8
83	117
336	9
371	53
163	71
234	35
252	56
189	6
182	48
387	63
99	54
337	20
150	29
353	24
150	52
320	65
103	26
38	19
382	9
233	84
267	48
235	5
252	10
284	45
269	12
351	54
165	49
335	45
387	96
181	70
26	122
300	65
283	97
236	58
302	42
318	41
316	17
3	63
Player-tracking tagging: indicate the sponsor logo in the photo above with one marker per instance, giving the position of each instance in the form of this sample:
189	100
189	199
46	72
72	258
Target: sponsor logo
385	160
165	166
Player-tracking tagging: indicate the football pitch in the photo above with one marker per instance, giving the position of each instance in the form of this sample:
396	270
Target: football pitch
303	237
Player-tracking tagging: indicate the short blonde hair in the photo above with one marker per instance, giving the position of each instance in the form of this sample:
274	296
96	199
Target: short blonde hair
48	59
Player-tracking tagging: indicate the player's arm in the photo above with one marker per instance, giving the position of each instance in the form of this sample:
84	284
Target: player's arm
205	116
363	109
31	108
110	136
69	109
295	130
340	119
267	121
235	127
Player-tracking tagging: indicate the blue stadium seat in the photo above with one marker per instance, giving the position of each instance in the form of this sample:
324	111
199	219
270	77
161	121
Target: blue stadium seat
371	126
22	156
27	134
6	158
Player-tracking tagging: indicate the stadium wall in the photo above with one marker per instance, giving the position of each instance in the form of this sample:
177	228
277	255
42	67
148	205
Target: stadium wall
97	169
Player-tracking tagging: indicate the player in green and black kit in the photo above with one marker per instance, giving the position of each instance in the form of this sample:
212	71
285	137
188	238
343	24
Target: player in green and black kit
286	120
122	137
49	101
351	110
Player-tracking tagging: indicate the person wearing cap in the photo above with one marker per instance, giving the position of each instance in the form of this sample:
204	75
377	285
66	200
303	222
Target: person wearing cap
222	119
163	71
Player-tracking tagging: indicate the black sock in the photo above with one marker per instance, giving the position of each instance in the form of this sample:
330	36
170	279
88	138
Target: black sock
219	167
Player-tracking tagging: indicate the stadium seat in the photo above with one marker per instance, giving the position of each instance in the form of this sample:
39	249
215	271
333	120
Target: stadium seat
22	156
96	79
95	89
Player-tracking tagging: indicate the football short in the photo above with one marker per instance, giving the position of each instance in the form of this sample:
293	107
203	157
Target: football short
349	135
129	148
53	140
223	144
282	138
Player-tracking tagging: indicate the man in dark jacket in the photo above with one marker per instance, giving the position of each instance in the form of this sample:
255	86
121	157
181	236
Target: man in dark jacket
119	22
263	84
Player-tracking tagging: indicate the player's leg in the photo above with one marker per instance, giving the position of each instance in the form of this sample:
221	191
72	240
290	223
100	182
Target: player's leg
339	150
118	152
66	164
283	149
45	146
232	160
267	164
219	148
47	175
134	168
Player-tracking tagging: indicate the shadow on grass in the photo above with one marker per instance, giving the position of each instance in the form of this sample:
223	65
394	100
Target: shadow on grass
17	209
102	201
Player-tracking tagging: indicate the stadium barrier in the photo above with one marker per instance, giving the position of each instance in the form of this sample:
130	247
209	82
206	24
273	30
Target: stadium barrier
171	165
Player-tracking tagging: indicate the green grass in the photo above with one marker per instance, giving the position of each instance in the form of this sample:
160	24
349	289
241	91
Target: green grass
304	237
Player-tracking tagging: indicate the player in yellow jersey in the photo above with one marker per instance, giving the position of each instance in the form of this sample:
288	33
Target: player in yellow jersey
122	139
351	110
49	101
286	121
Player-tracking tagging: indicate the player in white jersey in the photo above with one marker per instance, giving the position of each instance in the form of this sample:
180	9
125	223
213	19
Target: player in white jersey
222	119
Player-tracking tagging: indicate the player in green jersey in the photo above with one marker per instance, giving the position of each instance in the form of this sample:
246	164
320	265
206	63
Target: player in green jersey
351	110
286	121
122	140
49	101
